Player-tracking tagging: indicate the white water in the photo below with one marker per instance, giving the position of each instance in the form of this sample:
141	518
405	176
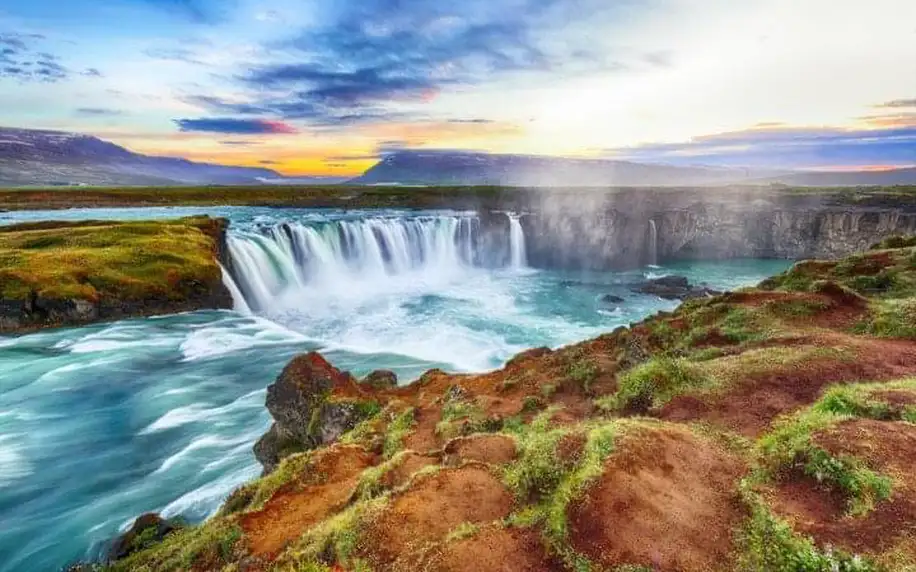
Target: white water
519	257
653	243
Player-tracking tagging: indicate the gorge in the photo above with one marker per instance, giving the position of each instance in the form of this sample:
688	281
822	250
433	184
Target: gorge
164	410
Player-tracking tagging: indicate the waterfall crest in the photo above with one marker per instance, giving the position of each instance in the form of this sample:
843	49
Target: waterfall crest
338	254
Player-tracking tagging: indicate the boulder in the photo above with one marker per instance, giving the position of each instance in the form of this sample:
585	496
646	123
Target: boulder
147	530
381	379
306	411
673	288
610	300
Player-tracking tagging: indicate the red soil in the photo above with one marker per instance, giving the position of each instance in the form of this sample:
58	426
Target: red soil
412	463
752	404
325	489
885	446
492	449
432	508
494	549
666	500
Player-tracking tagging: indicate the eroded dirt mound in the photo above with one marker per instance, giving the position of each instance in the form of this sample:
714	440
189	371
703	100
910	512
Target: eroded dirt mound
493	549
433	507
667	500
751	405
326	488
493	449
412	463
885	446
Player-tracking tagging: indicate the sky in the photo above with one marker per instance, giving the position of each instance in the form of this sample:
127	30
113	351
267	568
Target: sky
326	87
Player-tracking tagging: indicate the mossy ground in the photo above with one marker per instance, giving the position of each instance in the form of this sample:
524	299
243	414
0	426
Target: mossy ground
705	427
116	260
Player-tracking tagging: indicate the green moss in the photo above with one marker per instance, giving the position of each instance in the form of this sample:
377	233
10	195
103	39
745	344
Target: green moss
463	531
461	417
398	430
654	383
890	319
791	446
335	539
768	544
536	472
213	542
171	260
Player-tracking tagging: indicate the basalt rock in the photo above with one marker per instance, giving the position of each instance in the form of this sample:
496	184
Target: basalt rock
381	379
147	530
313	403
673	288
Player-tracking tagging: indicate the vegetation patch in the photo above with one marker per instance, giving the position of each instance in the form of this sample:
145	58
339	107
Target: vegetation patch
792	446
768	544
398	430
890	319
174	259
653	383
209	546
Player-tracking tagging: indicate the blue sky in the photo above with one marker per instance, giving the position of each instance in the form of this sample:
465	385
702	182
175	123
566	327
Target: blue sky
325	86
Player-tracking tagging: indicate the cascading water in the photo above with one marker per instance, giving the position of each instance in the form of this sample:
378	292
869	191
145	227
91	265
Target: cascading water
334	255
519	257
653	243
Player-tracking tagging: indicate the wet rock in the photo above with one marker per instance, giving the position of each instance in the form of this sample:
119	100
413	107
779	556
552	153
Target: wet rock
148	530
611	300
381	379
673	288
306	413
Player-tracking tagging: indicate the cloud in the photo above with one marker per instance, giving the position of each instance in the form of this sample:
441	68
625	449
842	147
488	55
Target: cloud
381	60
239	143
99	112
92	72
234	126
20	61
198	11
785	148
899	103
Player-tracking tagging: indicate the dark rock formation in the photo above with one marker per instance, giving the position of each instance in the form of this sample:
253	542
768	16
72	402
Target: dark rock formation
610	299
673	288
146	531
312	403
381	379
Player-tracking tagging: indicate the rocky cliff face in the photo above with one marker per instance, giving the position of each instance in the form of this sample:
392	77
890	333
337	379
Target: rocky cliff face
579	231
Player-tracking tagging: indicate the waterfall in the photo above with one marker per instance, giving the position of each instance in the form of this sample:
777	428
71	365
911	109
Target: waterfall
653	243
355	256
518	257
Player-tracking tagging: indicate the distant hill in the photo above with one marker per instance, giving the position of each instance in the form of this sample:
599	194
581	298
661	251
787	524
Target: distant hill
33	157
464	168
850	178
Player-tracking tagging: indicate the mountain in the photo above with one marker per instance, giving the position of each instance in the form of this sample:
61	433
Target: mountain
467	168
35	157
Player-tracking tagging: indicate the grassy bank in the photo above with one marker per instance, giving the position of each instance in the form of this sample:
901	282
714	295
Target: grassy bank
111	266
342	196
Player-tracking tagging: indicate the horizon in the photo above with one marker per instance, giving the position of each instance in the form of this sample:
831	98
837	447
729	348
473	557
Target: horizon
328	89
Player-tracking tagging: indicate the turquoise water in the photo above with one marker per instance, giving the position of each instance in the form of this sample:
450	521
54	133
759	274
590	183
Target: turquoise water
101	423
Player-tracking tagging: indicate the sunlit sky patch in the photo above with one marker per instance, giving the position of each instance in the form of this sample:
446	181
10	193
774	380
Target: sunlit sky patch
327	86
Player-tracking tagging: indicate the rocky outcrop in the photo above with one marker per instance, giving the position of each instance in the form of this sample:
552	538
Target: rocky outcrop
147	530
674	288
313	403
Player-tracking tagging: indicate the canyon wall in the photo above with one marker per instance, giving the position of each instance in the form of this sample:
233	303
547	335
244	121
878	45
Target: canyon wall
587	230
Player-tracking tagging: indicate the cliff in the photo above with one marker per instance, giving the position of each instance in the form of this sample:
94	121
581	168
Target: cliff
72	273
631	229
768	429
